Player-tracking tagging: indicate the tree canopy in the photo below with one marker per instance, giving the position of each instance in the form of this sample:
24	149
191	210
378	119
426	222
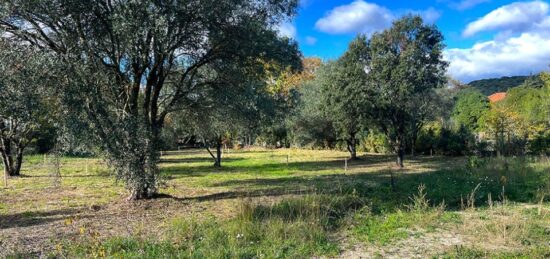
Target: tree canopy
470	106
26	106
131	63
343	83
405	64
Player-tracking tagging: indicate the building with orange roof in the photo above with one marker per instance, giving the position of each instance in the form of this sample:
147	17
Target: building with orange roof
497	97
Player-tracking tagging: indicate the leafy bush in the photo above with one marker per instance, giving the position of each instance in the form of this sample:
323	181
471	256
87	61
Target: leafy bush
540	145
375	142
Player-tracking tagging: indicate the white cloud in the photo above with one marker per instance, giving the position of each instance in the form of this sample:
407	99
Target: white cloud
287	29
467	4
520	55
515	17
311	40
521	44
364	17
359	16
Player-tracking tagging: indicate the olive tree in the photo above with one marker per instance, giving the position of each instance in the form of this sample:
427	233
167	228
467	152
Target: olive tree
405	63
129	64
24	73
226	112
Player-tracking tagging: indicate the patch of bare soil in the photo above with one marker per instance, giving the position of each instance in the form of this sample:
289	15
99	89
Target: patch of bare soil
421	246
37	233
498	229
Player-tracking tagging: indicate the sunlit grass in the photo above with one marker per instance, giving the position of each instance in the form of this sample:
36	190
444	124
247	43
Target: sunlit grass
291	203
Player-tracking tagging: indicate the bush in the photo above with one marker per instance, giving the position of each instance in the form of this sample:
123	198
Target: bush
375	142
540	145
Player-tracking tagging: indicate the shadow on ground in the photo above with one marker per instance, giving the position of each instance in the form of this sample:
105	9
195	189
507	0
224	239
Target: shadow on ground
32	218
449	181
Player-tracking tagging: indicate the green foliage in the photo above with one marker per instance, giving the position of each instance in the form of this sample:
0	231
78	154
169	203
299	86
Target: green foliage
343	84
390	227
128	65
520	121
309	126
455	142
27	107
375	142
540	144
470	106
405	65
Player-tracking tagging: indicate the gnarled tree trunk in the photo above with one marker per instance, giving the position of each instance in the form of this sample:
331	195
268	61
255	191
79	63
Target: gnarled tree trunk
12	157
352	148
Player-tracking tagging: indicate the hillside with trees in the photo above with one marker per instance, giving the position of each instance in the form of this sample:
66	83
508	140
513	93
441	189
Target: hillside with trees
495	85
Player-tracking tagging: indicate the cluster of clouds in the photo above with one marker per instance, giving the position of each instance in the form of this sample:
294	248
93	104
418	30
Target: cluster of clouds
358	16
364	17
521	44
520	32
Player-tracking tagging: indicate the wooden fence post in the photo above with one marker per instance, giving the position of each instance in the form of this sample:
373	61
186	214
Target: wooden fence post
345	165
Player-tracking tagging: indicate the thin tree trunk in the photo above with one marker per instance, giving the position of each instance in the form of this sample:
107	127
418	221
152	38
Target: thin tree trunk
6	164
413	143
400	152
218	153
352	148
211	154
400	157
218	157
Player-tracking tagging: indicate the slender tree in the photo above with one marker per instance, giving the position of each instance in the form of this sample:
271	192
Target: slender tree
131	63
405	63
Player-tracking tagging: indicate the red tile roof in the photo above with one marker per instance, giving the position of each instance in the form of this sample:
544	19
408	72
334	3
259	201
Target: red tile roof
497	97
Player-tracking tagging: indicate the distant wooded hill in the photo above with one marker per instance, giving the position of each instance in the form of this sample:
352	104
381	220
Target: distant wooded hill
495	85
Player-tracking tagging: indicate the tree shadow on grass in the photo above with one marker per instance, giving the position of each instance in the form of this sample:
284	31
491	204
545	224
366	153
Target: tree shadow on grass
195	160
271	167
103	174
32	218
449	186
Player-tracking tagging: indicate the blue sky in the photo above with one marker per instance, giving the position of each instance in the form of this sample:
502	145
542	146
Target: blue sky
484	38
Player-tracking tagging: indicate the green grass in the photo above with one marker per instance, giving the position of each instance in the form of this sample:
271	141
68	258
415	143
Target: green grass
257	205
290	229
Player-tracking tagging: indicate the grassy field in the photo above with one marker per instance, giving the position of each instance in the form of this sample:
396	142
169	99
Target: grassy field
283	204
